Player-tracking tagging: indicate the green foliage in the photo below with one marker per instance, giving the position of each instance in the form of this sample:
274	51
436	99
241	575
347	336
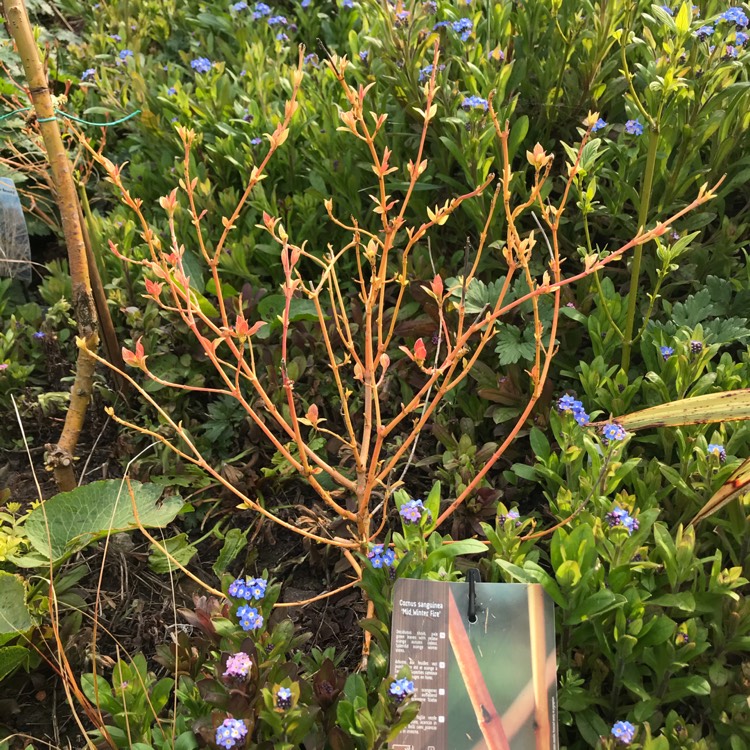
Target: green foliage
652	625
325	708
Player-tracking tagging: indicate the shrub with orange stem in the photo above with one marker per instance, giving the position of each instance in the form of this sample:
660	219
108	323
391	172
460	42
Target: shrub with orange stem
379	434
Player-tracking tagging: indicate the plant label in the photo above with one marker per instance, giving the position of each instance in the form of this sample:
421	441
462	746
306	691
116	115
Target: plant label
486	677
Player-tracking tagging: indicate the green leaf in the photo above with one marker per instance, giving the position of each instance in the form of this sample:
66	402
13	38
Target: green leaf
178	547
714	407
234	542
432	503
186	741
684	601
518	132
659	630
513	345
77	518
99	693
160	694
737	484
478	295
569	573
14	615
595	605
454	549
683	18
681	687
539	444
533	573
12	657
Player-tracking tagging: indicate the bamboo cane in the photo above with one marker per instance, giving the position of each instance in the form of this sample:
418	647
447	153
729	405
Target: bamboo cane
488	719
60	456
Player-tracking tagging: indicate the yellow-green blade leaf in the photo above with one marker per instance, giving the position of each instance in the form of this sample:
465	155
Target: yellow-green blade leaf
737	484
713	407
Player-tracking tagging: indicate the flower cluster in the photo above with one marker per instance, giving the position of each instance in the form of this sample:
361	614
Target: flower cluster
737	16
426	72
261	10
496	54
238	665
598	125
283	698
474	102
730	52
634	127
241	5
125	54
401	689
666	352
412	511
512	515
740	39
248	588
277	21
569	405
624	732
714	449
620	517
704	32
249	617
380	557
230	733
88	74
696	347
463	27
612	432
201	64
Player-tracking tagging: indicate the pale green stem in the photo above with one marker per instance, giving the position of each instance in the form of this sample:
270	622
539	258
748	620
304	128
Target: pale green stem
597	281
635	269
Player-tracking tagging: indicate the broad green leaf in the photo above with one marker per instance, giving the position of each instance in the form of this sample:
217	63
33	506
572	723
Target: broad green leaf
714	407
12	657
737	484
14	616
71	520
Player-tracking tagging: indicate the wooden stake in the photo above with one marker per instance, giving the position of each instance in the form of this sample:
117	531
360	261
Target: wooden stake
60	456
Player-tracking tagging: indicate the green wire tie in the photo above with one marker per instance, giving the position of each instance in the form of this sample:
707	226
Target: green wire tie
72	117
